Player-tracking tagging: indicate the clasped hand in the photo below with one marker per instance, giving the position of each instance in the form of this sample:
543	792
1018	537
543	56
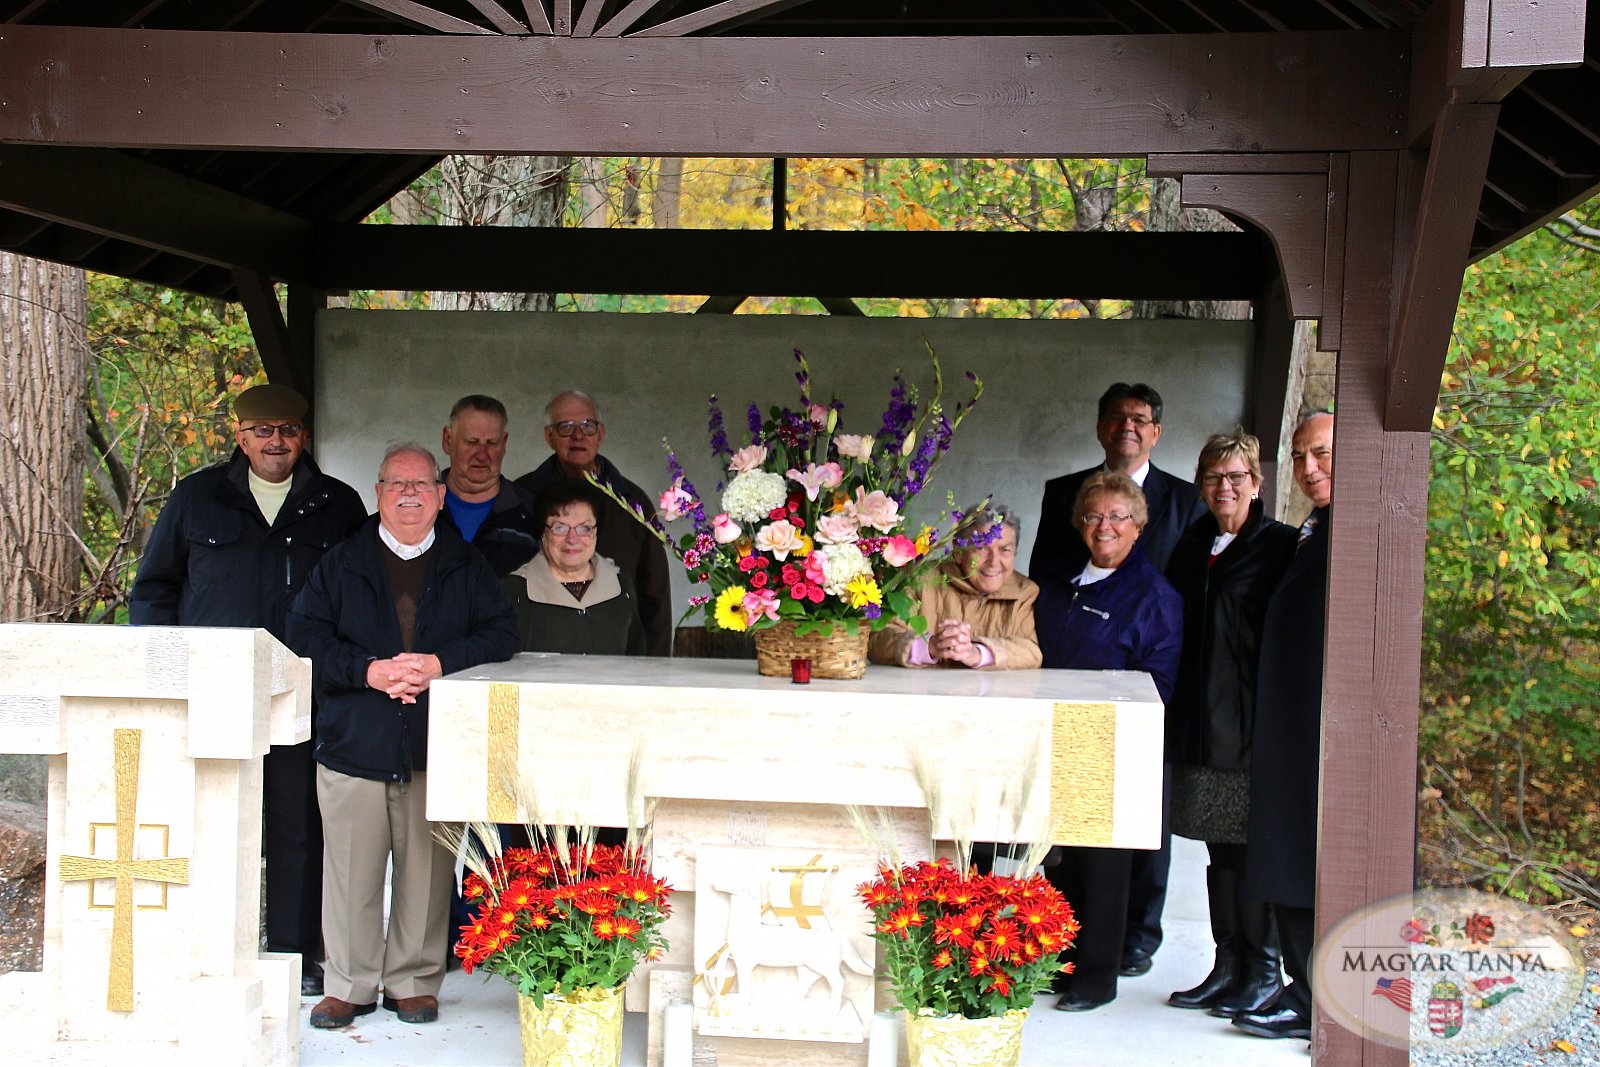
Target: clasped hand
952	640
405	676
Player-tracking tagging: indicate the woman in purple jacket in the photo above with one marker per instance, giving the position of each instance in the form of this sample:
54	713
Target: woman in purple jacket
1115	613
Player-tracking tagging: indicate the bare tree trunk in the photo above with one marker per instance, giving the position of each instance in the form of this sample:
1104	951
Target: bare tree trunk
43	392
664	210
501	191
1167	215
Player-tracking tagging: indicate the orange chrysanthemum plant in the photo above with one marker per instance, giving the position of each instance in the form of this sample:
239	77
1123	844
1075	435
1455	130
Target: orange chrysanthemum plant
564	919
968	944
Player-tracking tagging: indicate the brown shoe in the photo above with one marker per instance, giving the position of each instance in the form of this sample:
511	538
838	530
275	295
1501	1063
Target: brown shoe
332	1013
413	1009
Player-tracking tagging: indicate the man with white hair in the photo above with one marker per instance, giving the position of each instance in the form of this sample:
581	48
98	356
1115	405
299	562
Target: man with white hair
574	432
404	601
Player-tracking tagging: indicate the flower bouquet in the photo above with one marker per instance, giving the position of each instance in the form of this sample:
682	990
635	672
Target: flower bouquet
966	953
566	924
811	533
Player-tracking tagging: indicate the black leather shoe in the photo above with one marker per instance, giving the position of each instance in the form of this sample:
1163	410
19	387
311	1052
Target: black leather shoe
1274	1021
1079	1002
1136	962
311	979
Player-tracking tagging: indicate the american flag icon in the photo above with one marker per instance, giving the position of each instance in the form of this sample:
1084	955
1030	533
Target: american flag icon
1397	990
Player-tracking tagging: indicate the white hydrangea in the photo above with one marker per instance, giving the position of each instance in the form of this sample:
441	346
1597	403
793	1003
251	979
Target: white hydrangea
753	494
840	564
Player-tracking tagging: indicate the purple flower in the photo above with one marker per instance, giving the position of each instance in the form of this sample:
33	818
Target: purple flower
871	611
897	417
803	378
719	434
753	414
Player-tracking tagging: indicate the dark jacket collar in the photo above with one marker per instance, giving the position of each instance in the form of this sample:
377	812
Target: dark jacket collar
506	498
305	472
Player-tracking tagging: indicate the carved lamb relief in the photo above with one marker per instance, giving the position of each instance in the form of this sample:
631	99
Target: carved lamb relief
783	949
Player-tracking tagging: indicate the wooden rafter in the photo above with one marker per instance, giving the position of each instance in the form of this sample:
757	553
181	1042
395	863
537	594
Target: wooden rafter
628	17
117	195
422	17
719	17
538	17
494	94
498	16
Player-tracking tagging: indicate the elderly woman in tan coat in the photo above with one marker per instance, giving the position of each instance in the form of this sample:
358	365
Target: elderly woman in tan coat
979	612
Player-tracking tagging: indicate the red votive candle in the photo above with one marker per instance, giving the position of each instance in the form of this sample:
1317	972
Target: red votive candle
800	671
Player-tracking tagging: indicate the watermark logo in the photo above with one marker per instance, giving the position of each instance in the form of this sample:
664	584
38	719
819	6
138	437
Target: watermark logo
1447	968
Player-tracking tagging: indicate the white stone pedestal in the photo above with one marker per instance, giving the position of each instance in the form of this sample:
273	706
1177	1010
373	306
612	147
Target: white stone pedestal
153	880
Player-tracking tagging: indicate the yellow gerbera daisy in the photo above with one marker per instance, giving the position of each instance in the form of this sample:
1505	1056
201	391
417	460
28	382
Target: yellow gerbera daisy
730	609
863	590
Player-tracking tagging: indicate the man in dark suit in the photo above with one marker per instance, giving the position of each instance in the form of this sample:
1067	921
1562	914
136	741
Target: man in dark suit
1128	425
1281	851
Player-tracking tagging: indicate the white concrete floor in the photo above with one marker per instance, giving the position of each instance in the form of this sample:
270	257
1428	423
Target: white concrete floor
478	1021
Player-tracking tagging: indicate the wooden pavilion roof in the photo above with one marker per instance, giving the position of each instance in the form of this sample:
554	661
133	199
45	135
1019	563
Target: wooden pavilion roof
1545	156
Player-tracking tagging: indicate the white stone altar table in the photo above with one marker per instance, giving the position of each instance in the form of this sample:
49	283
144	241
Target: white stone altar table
751	776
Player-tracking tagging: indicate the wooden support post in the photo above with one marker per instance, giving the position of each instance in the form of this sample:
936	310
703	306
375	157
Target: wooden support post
304	303
1366	843
1273	353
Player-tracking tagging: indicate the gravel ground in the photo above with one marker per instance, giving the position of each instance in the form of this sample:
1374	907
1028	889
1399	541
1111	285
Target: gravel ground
1548	1046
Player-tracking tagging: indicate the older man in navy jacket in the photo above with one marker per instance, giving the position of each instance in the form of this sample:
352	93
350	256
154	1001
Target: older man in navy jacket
402	602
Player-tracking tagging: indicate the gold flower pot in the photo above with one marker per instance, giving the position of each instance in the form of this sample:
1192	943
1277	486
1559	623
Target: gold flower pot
581	1029
955	1041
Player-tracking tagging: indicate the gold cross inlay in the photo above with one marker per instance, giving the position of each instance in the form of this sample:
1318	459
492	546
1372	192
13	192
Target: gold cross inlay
124	869
798	910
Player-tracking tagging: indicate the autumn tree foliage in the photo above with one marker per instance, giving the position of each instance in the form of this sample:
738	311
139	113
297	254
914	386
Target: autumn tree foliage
1510	730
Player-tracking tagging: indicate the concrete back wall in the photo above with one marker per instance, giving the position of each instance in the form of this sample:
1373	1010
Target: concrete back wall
385	376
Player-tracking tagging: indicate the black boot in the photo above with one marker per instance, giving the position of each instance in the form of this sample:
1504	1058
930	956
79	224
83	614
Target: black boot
1221	892
1260	977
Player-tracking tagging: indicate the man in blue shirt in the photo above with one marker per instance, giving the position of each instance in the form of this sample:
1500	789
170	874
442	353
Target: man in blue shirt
492	513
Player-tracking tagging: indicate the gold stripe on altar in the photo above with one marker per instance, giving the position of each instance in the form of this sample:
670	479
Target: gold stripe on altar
501	757
1083	749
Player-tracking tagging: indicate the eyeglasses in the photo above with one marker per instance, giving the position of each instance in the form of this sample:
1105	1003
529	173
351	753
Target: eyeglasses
408	485
561	529
1095	519
578	427
263	431
1117	418
1237	479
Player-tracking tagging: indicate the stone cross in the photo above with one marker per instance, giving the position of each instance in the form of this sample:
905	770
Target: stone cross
124	869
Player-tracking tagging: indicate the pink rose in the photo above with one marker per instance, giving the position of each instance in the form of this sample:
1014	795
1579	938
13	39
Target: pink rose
748	458
779	538
675	502
725	530
837	529
899	550
876	510
818	416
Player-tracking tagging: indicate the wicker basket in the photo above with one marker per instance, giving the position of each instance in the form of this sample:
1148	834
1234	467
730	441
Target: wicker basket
839	655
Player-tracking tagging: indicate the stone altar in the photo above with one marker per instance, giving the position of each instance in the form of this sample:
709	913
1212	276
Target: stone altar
750	778
152	885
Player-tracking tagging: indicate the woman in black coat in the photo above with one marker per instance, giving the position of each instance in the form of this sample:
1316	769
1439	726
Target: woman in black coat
567	599
1225	567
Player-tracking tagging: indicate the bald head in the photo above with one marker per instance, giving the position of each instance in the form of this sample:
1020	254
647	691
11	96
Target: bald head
1312	454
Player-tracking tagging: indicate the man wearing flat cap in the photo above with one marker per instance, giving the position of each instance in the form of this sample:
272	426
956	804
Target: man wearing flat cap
232	547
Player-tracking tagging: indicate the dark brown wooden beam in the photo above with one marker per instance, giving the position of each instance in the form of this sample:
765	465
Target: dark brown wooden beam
538	18
1366	848
961	96
283	364
118	195
1150	266
1440	240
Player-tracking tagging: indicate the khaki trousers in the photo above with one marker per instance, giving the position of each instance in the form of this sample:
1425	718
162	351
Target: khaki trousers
364	822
